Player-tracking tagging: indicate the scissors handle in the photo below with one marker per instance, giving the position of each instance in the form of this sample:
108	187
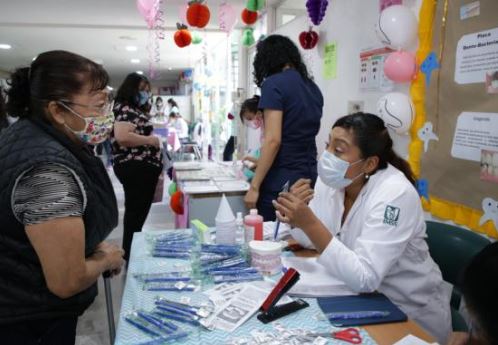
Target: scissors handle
350	335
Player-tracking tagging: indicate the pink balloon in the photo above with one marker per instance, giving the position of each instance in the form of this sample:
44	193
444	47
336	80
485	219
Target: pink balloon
401	67
182	10
227	17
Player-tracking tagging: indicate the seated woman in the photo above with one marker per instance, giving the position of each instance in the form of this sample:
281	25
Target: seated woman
366	221
479	292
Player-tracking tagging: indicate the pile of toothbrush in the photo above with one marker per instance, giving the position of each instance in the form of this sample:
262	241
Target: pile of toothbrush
158	323
175	245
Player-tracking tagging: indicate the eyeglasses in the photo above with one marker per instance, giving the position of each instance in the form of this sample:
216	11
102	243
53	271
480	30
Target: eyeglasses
104	109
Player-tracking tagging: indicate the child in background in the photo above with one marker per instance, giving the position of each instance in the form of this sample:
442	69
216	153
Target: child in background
252	117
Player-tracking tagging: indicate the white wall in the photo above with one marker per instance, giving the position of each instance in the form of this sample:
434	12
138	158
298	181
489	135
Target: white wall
351	23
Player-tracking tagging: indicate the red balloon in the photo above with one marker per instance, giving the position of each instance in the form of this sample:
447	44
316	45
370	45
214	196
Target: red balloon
249	17
198	15
308	39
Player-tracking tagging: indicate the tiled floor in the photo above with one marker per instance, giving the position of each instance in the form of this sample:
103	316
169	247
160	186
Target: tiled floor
92	326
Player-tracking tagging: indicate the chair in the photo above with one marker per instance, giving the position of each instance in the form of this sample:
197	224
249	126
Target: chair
452	248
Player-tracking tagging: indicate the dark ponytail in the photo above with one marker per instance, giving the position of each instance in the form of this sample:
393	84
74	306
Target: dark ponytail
251	105
53	76
4	123
373	139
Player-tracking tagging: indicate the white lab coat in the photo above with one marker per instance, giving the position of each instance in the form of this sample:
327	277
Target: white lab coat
381	247
181	127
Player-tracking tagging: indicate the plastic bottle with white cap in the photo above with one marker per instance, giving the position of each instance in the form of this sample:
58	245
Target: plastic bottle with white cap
226	228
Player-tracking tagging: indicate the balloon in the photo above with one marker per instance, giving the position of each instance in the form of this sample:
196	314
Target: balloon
176	202
397	27
397	111
401	67
227	17
308	39
255	5
316	10
248	37
172	188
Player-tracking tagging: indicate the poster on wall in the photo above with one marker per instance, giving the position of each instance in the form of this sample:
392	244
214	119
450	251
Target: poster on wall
475	132
476	56
372	77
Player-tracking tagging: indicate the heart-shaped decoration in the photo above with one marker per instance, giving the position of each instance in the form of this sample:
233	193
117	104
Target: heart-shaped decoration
308	39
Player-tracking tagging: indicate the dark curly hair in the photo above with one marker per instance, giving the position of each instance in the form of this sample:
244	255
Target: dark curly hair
273	54
251	105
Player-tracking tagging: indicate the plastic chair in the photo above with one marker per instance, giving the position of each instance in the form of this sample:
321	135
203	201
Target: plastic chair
452	248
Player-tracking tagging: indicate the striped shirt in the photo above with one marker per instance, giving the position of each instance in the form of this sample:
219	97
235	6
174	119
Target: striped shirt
47	192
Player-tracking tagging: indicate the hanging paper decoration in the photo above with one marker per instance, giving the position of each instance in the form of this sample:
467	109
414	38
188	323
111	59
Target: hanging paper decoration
198	14
426	134
428	65
423	188
255	5
183	37
248	37
401	66
196	38
249	17
316	10
230	116
176	202
226	17
308	39
172	188
148	9
182	13
490	207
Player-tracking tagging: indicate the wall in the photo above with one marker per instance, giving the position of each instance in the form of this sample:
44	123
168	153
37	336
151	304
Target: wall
351	23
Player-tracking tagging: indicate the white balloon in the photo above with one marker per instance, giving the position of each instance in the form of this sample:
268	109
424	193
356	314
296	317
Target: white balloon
397	111
397	27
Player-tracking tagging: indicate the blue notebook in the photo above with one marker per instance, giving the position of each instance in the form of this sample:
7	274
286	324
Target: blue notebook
364	302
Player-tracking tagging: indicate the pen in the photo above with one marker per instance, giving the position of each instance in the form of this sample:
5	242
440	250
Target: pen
377	314
285	189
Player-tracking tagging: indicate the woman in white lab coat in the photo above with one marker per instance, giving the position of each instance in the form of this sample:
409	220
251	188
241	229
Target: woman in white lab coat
366	221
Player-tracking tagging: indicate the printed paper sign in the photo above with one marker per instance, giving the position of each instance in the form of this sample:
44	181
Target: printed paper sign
330	61
489	166
470	10
475	132
372	77
476	54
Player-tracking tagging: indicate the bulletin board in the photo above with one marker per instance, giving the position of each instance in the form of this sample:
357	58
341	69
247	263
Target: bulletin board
462	111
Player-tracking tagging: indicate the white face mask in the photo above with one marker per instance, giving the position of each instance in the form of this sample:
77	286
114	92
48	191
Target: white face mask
332	170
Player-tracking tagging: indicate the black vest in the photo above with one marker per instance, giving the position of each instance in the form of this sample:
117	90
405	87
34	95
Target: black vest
23	291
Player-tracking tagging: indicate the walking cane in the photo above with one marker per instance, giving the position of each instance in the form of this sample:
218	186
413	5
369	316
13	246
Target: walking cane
110	310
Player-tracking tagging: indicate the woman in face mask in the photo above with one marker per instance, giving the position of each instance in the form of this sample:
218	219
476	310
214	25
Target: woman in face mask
57	202
137	154
366	221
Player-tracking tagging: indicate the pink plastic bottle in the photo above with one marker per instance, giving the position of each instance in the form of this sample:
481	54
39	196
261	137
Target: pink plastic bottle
253	223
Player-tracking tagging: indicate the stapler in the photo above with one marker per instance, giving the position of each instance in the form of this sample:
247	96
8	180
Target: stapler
269	310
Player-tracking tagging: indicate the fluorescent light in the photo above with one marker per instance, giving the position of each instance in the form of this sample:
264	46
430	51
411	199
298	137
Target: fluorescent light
131	48
140	72
110	88
169	68
5	46
135	60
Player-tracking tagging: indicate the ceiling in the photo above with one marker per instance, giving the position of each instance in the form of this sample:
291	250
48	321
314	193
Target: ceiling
101	30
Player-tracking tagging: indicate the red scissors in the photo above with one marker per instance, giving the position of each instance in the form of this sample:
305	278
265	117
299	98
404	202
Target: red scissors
350	335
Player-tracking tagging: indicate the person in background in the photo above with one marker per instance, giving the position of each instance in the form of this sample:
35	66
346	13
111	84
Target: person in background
366	221
479	289
252	117
137	156
181	127
173	106
158	109
57	201
292	106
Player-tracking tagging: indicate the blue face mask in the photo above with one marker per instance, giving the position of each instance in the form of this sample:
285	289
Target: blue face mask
143	97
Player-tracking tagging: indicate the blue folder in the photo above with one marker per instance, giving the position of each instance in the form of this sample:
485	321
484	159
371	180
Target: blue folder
364	302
